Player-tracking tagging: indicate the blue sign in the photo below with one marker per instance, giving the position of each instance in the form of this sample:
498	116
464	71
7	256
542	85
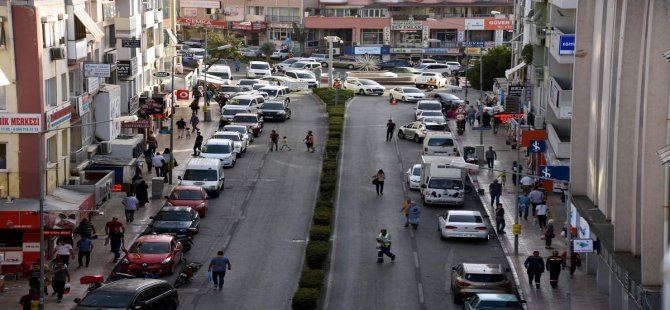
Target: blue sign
537	146
555	172
566	44
481	44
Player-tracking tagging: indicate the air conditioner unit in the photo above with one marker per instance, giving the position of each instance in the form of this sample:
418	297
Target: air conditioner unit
110	58
58	53
74	181
105	148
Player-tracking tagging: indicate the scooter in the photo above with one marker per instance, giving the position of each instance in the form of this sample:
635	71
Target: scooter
187	273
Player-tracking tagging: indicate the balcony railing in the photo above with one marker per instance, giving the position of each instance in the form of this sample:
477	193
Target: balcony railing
559	99
282	19
560	145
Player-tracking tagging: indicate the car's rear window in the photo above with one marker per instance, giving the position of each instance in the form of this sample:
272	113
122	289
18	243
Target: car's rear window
186	195
482	277
431	106
181	216
150	248
440	142
435	127
107	299
486	304
245	119
464	218
260	66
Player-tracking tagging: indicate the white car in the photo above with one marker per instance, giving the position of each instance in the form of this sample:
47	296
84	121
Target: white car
462	224
453	66
251	51
434	67
239	144
414	176
244	131
221	149
291	83
303	65
364	86
280	54
303	76
286	63
422	79
258	69
439	120
428	113
415	131
407	94
427	105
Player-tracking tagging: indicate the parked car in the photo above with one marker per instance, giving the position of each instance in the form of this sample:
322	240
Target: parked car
249	103
364	86
454	66
138	294
251	120
276	92
238	142
395	63
413	176
345	62
422	79
434	67
152	253
230	90
276	110
206	173
288	62
404	71
493	301
178	221
280	54
407	94
426	61
415	131
244	131
221	149
303	65
291	83
258	69
305	76
448	100
189	196
427	105
251	51
461	223
468	279
437	120
248	82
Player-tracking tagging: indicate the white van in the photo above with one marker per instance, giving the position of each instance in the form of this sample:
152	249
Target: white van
222	72
221	149
439	143
204	172
443	179
258	69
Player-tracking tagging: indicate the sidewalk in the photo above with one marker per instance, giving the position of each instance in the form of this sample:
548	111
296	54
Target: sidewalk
579	289
101	257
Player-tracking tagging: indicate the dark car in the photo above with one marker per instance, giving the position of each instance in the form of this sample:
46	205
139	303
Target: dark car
395	63
179	221
131	294
275	110
448	100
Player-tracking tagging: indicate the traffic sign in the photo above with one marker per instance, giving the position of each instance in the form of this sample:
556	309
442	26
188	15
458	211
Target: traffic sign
555	172
132	43
162	74
337	84
538	146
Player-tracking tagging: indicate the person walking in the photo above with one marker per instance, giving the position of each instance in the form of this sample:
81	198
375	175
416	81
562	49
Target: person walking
491	156
34	277
384	246
197	146
575	261
390	128
195	120
217	266
116	241
130	203
527	182
61	275
157	162
471	115
549	234
152	142
495	189
148	155
85	246
181	127
238	64
414	216
541	214
27	300
309	141
142	193
274	139
524	204
113	224
503	177
195	104
564	188
536	197
378	180
534	268
500	219
284	143
63	252
555	263
516	170
405	210
85	228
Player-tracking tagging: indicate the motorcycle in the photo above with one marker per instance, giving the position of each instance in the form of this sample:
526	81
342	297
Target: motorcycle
187	273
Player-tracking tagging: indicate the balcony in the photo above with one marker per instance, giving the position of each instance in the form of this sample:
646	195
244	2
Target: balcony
148	19
564	4
560	145
562	46
149	56
76	50
559	99
537	34
128	27
158	16
333	1
282	19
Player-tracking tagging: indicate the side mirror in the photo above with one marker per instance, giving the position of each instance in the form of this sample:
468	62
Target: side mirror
77	300
151	217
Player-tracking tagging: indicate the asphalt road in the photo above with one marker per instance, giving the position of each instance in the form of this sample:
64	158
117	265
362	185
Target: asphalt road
420	277
261	220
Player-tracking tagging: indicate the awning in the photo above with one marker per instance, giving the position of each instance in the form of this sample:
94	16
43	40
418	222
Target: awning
90	25
3	79
171	37
509	72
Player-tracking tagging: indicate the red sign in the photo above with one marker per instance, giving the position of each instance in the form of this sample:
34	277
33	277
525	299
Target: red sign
498	24
503	117
250	26
19	220
183	94
57	232
203	23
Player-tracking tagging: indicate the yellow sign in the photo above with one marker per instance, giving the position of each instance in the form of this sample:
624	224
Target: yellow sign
473	50
516	229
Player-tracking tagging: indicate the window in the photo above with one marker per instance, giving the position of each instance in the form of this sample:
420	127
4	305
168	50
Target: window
3	98
52	150
212	11
255	10
166	9
48	35
372	36
108	11
339	12
50	92
110	36
2	32
280	34
11	238
373	12
285	15
149	37
3	156
446	35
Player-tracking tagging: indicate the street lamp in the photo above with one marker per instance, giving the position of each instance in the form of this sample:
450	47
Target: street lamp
40	178
331	40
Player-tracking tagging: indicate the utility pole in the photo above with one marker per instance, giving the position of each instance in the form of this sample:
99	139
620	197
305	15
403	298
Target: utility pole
172	160
481	95
330	40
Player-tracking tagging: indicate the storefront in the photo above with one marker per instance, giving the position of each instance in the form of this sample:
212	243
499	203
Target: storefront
253	32
409	33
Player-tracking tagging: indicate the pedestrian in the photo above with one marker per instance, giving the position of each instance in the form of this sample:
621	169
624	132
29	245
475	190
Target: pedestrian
496	123
527	182
390	128
471	115
549	234
500	219
116	241
217	266
575	261
495	189
534	268
85	247
148	156
378	180
414	215
61	275
181	126
64	252
137	177
165	169
27	300
195	106
516	170
274	139
536	197
555	263
130	203
309	141
85	228
541	214
564	188
503	177
197	146
486	119
491	156
238	64
157	162
152	143
195	120
208	96
138	167
384	246
284	143
34	277
113	224
142	193
524	203
405	210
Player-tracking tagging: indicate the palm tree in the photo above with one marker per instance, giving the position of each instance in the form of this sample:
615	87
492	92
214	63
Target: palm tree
368	63
267	48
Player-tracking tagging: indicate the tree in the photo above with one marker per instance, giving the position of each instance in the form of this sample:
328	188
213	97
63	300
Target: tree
299	35
496	61
268	48
217	39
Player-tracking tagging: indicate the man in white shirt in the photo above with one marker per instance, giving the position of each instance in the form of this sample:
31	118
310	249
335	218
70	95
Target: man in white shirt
541	213
64	251
157	162
527	183
536	197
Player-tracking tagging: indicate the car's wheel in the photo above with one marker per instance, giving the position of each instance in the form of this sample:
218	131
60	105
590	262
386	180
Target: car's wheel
171	306
350	66
289	115
324	64
239	154
233	164
401	135
402	99
416	138
361	92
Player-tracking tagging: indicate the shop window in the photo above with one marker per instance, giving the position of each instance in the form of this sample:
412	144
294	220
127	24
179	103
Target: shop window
374	13
3	38
65	95
255	10
50	92
149	35
280	34
3	156
372	36
52	150
110	36
11	238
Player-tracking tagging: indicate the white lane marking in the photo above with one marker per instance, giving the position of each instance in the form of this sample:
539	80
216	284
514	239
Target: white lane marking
416	260
227	240
248	196
262	163
421	301
411	233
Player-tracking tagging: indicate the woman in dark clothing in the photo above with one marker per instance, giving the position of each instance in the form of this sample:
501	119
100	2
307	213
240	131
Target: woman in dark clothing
378	180
142	193
115	242
60	276
85	229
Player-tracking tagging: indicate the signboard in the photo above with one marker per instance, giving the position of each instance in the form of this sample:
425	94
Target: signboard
126	68
488	24
31	247
474	24
515	91
537	146
582	245
97	70
407	51
151	106
57	232
473	50
132	43
360	50
504	117
141	123
83	104
92	84
406	25
162	74
203	4
566	44
20	123
249	26
555	172
474	44
61	114
203	23
386	34
453	50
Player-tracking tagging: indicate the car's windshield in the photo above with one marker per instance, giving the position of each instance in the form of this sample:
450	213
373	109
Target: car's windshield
180	216
234	137
231	112
245	119
223	75
368	82
412	90
435	183
186	195
216	148
239	101
431	113
230	89
289	61
416	171
239	129
421	67
107	299
248	82
431	106
440	142
150	247
271	91
260	66
298	65
200	175
305	75
483	277
273	106
465	218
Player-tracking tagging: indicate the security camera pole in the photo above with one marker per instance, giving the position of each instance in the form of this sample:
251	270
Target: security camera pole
331	40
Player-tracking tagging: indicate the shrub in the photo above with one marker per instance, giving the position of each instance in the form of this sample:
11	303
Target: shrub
319	233
322	216
311	279
327	94
316	254
336	120
335	144
326	191
305	298
329	178
329	165
335	135
321	204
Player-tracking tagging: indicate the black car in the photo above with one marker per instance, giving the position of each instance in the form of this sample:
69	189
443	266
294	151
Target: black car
131	294
275	110
448	100
179	221
395	63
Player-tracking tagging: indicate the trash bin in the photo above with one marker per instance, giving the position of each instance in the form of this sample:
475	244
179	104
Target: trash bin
157	187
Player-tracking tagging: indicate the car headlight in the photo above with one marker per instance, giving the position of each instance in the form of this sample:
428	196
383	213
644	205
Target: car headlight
368	89
201	205
281	112
166	261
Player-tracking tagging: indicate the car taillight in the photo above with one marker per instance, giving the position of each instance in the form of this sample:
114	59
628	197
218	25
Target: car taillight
462	283
450	227
481	228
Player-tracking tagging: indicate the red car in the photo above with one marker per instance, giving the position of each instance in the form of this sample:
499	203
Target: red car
189	196
152	253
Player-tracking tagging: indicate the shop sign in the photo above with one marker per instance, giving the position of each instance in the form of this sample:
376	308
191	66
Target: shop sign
249	26
141	123
566	44
582	245
57	232
56	116
425	35
131	43
473	50
454	50
361	50
281	25
92	84
474	24
200	4
31	247
83	104
126	68
515	90
133	105
498	24
387	35
20	123
406	25
584	228
474	44
203	23
151	106
97	70
407	51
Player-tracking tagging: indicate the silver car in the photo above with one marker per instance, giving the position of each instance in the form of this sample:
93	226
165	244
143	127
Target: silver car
238	142
462	224
244	131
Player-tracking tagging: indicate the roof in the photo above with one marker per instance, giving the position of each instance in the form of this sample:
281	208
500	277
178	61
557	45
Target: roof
129	285
482	268
268	86
245	96
497	297
187	188
257	62
226	133
218	141
61	199
203	162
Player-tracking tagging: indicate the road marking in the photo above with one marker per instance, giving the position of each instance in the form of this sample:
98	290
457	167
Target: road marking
411	233
262	163
248	196
421	300
416	259
225	243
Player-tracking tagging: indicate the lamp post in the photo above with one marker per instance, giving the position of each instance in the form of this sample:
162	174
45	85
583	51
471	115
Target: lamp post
40	179
481	95
331	40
